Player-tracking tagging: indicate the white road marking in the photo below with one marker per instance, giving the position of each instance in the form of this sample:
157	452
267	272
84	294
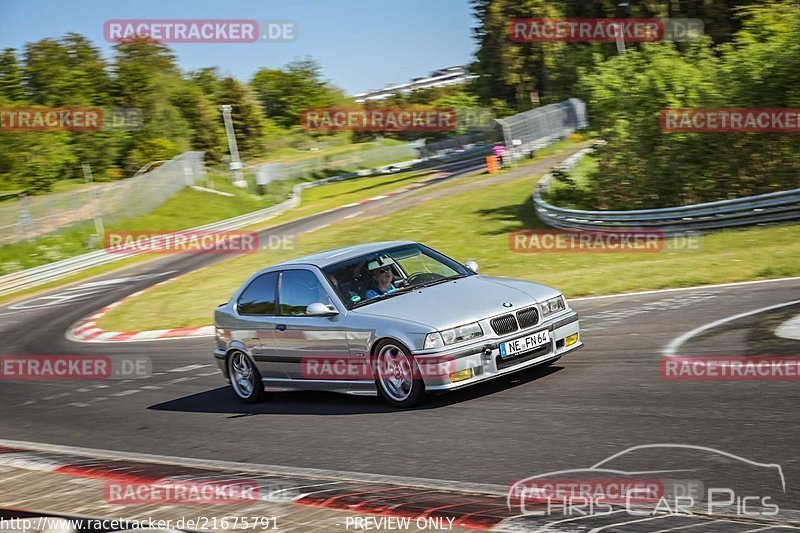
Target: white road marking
672	348
695	287
187	368
174	381
250	468
77	404
574	518
56	396
126	392
216	372
689	526
312	230
789	329
602	528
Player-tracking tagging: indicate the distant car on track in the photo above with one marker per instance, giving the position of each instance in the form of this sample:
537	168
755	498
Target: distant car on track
394	318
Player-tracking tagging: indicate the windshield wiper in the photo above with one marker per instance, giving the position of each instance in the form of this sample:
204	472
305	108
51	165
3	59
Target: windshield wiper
383	296
440	280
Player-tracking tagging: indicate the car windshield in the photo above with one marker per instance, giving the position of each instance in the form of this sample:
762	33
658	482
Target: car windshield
391	272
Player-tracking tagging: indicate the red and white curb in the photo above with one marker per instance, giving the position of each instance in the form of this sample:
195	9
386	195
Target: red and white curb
438	504
87	330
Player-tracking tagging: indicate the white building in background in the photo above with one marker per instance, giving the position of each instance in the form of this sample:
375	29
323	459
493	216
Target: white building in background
444	77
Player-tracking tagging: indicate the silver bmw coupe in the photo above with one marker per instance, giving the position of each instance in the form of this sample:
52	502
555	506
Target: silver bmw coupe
397	319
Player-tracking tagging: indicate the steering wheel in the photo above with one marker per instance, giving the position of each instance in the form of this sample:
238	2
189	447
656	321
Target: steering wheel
422	277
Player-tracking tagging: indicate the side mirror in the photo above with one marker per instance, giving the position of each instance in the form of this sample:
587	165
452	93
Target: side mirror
472	265
320	309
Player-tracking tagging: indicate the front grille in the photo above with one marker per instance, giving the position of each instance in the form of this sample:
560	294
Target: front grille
506	362
528	317
505	324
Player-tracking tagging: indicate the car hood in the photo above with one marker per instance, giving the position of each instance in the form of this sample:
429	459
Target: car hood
460	301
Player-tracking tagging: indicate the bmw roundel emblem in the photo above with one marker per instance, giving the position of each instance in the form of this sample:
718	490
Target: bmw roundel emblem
508	304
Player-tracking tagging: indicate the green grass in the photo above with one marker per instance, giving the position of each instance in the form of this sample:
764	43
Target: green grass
190	208
476	225
186	209
287	154
576	191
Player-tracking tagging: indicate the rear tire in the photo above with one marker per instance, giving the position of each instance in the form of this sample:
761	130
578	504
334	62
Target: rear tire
397	376
245	378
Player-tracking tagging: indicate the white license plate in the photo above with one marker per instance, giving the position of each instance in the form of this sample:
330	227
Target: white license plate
525	344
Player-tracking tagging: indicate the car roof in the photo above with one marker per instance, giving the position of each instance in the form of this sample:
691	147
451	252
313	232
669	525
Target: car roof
329	257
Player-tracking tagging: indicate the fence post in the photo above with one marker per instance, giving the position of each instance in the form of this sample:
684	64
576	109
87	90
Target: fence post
25	223
98	217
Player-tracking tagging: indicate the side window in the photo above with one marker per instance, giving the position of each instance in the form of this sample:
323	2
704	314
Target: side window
299	289
259	297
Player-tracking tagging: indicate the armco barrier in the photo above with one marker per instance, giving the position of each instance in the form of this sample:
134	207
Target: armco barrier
763	209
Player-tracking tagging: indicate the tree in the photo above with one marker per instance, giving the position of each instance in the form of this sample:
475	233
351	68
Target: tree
206	130
245	115
11	88
285	93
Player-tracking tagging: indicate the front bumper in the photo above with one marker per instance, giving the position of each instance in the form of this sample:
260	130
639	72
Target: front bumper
483	358
219	357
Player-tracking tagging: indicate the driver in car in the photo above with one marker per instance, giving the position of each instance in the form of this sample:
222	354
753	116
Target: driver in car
381	273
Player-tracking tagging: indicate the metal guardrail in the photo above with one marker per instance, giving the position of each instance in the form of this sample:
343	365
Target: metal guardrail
62	269
763	209
35	216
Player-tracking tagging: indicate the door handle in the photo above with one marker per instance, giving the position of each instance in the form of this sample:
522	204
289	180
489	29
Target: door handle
281	327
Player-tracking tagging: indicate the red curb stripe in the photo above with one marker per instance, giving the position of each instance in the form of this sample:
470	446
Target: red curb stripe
123	336
177	332
89	336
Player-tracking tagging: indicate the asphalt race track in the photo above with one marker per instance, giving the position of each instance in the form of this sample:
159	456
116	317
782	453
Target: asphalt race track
588	406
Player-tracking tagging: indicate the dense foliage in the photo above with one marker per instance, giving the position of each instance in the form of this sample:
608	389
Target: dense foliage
180	111
749	58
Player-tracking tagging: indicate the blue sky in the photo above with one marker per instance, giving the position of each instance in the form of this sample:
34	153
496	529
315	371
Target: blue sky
360	44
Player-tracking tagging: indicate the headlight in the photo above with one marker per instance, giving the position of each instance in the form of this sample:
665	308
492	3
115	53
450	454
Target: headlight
433	340
462	333
553	305
453	335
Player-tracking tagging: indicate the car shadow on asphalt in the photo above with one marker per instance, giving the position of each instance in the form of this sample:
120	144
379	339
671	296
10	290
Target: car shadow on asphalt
222	400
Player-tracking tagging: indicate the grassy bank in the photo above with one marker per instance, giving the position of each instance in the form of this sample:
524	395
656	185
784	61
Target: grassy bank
476	225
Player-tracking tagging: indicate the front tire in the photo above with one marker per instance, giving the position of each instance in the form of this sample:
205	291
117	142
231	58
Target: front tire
397	376
245	378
